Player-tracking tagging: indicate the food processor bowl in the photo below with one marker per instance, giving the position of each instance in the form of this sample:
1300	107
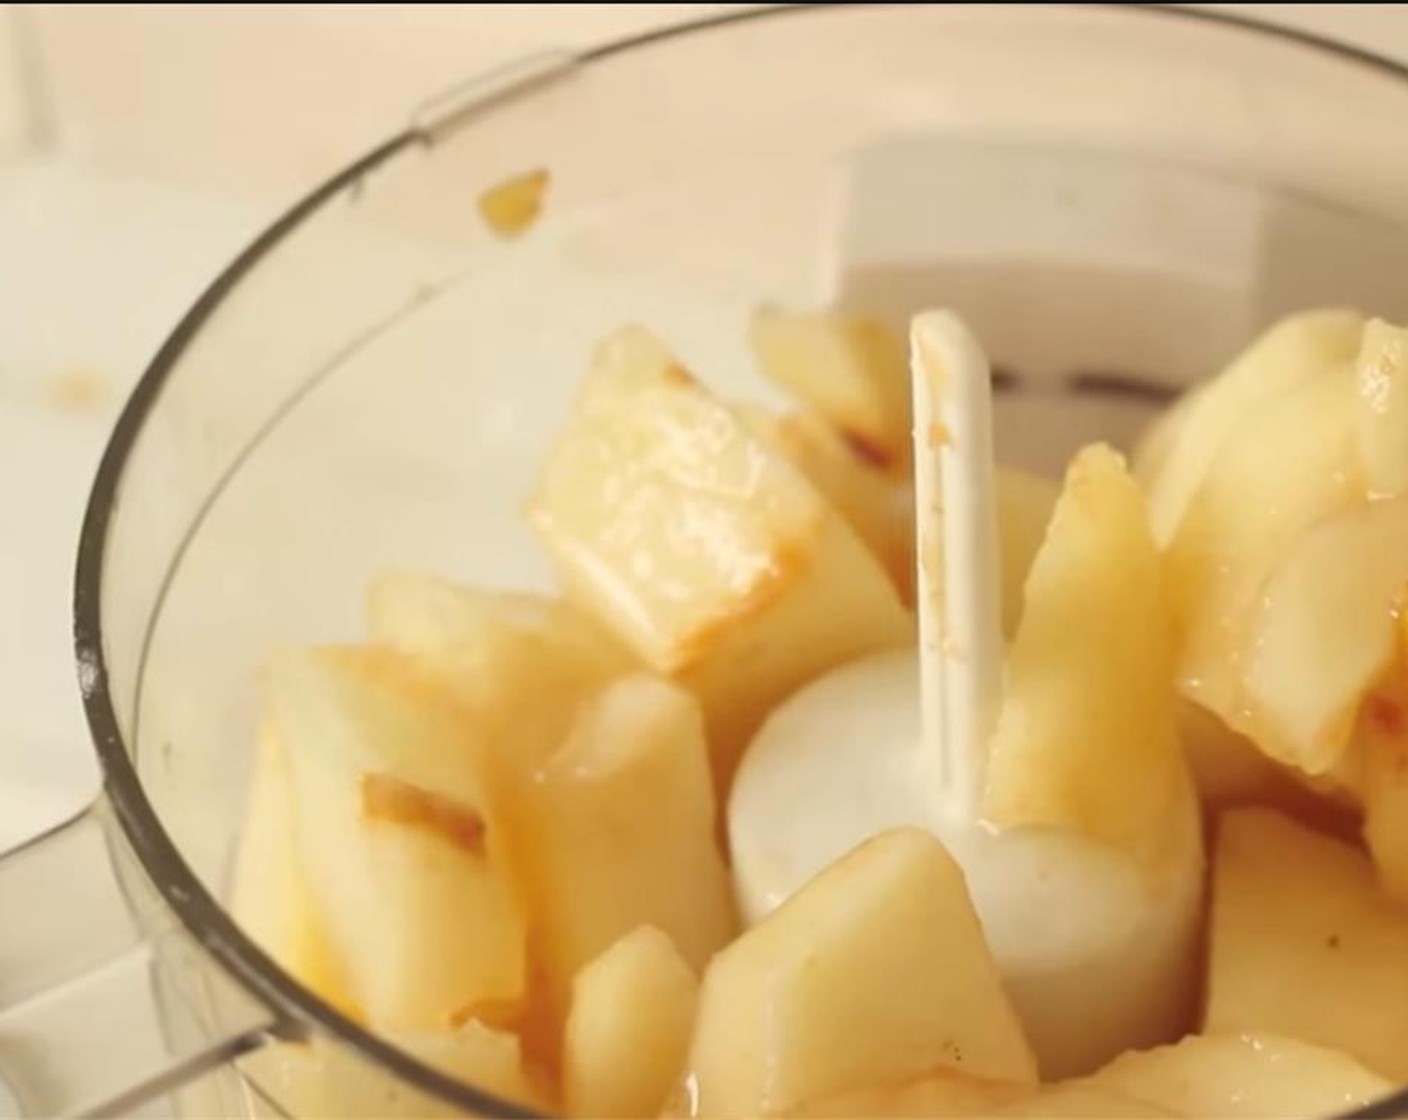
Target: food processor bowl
1114	197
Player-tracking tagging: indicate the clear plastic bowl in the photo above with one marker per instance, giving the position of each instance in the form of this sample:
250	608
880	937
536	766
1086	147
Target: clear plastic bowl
1116	197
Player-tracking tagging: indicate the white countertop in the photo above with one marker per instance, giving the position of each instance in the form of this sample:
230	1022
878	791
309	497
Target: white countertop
95	270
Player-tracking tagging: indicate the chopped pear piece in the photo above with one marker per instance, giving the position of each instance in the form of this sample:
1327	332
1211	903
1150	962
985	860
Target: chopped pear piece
486	642
489	1060
388	808
1386	824
702	547
877	504
323	1078
1380	777
628	1032
271	900
1382	415
1323	632
1164	433
1025	503
1279	361
616	830
1229	770
503	653
1254	1076
292	1075
1292	464
945	1093
851	368
1087	739
485	1059
1304	945
874	971
942	1092
880	507
1081	1100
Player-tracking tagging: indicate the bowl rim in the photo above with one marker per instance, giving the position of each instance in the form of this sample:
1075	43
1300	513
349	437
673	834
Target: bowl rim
299	1014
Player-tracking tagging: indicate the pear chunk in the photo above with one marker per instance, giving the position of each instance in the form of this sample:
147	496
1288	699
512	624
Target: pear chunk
1251	1076
1087	738
702	547
628	1032
874	971
1304	945
389	809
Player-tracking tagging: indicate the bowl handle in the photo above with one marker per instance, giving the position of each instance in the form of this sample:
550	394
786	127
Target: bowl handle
95	984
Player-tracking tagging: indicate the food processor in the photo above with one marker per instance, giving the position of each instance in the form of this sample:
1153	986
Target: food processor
1115	198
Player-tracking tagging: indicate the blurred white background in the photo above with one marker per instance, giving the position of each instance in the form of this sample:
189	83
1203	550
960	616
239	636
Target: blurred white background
140	146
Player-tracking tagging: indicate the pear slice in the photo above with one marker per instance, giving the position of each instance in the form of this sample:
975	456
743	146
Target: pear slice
1230	770
1087	738
701	547
519	663
617	830
1293	463
271	899
1304	945
1382	415
941	1092
628	1032
389	810
1323	632
1252	1076
496	648
877	504
880	506
1380	776
874	971
852	369
1293	351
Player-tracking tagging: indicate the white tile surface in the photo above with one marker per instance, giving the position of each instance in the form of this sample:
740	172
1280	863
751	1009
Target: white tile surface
94	270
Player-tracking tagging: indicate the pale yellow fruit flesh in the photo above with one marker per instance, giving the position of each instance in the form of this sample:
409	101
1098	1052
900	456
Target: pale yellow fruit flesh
1292	464
850	368
1025	503
1323	631
880	507
1087	738
628	1031
1165	432
501	651
839	989
617	830
1076	1100
1302	943
1229	770
1381	370
270	897
697	543
1378	772
519	664
388	808
1244	1076
942	1092
877	504
489	1060
1295	350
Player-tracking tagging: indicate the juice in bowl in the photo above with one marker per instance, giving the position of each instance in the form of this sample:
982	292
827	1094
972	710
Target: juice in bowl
458	569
